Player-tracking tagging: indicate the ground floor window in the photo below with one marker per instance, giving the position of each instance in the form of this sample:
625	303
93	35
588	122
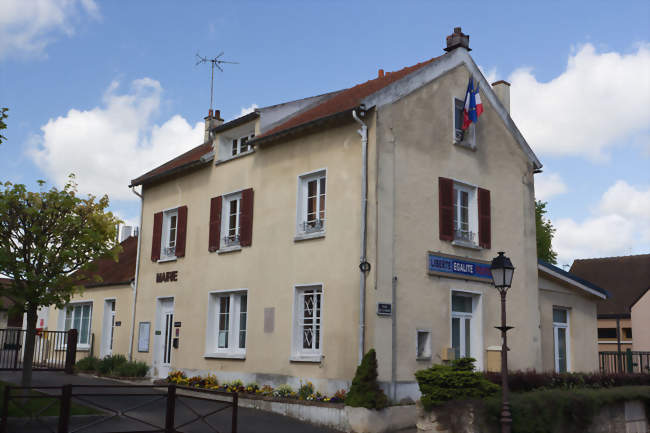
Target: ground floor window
307	333
423	344
77	316
466	328
228	324
561	339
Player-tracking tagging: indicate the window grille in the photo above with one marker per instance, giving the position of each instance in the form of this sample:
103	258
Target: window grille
229	241
312	226
464	235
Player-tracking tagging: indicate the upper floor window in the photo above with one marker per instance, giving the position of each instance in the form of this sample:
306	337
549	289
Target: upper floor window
240	144
231	221
467	137
311	202
230	216
464	214
169	234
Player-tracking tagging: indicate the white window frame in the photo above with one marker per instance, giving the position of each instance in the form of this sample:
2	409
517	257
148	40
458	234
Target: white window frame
298	353
212	335
472	216
426	350
476	324
567	337
167	250
63	316
241	142
302	207
225	220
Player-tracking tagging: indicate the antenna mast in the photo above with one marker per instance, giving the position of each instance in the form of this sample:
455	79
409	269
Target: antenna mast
215	61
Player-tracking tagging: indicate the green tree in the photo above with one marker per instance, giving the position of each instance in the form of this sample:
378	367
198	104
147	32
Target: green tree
48	241
3	125
545	233
365	390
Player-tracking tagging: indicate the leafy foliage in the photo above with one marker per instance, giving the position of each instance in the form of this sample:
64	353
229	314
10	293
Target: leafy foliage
283	391
305	390
110	363
530	380
3	125
132	369
457	381
86	364
365	390
545	233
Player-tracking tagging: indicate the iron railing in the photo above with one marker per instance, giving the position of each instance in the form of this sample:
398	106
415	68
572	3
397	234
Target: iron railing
464	235
624	362
229	241
53	350
312	226
124	408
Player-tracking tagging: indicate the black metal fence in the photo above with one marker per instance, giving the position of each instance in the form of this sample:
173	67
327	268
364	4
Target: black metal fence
124	408
53	350
624	362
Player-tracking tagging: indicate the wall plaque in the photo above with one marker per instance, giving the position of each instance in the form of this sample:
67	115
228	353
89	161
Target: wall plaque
143	336
384	309
164	277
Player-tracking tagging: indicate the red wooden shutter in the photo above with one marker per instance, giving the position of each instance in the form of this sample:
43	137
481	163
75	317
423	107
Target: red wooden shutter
484	222
215	224
246	218
446	208
181	231
157	236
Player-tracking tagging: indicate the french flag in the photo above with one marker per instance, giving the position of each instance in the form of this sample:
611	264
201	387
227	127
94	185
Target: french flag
473	105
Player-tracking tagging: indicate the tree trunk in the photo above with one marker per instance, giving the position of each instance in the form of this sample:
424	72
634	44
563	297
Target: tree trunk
30	337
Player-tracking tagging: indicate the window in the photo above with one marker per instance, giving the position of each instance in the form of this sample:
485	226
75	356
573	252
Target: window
311	203
467	137
423	345
561	339
230	219
307	341
461	324
227	318
464	214
606	332
77	316
240	145
627	333
170	225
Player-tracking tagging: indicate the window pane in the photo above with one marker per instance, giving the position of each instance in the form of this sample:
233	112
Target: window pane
455	335
458	114
561	342
85	325
224	321
468	328
234	147
243	306
422	344
76	317
68	319
243	145
608	333
461	304
559	315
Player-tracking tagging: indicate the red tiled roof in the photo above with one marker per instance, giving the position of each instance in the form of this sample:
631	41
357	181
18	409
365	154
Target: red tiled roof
346	99
112	272
626	278
189	157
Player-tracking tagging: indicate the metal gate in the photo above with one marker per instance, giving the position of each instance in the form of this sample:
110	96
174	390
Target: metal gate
53	350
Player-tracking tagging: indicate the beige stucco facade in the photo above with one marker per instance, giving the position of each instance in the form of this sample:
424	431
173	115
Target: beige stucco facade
100	319
640	322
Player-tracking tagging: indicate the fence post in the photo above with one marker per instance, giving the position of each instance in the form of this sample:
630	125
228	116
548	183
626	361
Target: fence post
235	404
171	409
64	413
5	409
71	351
628	358
18	335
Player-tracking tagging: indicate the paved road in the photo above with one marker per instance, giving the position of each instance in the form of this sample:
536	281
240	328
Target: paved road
151	408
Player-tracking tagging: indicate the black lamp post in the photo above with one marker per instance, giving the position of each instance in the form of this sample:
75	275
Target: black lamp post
502	270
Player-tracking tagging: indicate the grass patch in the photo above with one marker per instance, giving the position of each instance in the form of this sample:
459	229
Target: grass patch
20	408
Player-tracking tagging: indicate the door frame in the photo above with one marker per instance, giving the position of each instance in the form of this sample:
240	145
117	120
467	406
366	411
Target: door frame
161	369
108	326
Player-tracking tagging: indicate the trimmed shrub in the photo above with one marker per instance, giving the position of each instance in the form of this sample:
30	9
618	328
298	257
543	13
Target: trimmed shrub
457	381
530	380
87	364
132	369
365	390
110	363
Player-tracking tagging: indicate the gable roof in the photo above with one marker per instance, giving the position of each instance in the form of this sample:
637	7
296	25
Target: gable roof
116	273
187	161
625	277
571	279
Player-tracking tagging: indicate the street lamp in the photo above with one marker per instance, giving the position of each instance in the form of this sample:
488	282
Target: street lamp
502	271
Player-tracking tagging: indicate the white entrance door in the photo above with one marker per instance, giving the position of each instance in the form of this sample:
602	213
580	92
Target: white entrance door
108	328
163	336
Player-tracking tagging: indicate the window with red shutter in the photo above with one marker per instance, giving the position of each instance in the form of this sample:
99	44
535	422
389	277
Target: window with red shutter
246	218
215	224
181	233
446	208
484	216
157	236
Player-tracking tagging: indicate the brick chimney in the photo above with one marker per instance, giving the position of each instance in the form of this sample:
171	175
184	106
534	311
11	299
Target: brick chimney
212	120
457	39
502	90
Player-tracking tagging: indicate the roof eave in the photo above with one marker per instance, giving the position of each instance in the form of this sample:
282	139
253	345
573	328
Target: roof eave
236	122
603	295
173	171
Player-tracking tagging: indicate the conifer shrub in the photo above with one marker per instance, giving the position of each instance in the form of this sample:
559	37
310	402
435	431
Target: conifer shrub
109	364
365	390
87	364
457	381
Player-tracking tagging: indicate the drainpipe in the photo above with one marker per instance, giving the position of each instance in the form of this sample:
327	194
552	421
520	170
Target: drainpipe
134	284
364	266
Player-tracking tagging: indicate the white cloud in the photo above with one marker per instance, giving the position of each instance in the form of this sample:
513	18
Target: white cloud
599	99
548	185
246	110
111	144
28	26
620	225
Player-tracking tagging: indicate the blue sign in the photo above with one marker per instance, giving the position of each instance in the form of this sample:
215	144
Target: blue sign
459	268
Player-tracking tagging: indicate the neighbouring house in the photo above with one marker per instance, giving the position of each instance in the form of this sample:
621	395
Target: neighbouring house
299	236
8	317
626	278
102	312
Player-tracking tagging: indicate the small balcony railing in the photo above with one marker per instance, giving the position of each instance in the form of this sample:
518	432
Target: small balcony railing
169	251
465	236
230	241
313	226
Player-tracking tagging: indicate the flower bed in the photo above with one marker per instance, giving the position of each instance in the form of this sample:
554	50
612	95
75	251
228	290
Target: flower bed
305	393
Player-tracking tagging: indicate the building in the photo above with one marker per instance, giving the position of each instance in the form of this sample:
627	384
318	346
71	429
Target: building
299	236
627	278
639	315
8	317
103	312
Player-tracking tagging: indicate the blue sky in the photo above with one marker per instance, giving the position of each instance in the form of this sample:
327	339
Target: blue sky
107	90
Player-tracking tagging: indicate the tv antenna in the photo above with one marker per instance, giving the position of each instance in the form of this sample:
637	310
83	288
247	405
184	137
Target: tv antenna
216	61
